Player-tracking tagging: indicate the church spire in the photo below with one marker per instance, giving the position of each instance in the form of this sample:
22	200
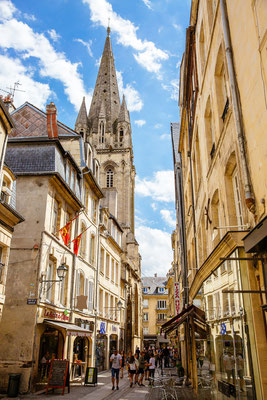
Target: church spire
81	121
124	113
106	91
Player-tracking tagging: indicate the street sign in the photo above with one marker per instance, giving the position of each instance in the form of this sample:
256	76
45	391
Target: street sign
223	329
102	328
32	302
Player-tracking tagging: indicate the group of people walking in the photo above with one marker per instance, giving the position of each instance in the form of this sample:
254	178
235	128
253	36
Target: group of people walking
140	366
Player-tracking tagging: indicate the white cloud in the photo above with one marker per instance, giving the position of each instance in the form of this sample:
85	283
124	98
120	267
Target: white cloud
160	187
173	88
154	206
87	45
54	35
133	100
165	136
30	17
147	3
140	122
7	9
147	54
158	126
11	71
155	249
26	43
97	62
168	217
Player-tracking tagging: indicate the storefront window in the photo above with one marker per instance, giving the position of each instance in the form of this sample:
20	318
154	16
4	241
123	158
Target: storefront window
51	346
80	355
101	352
223	358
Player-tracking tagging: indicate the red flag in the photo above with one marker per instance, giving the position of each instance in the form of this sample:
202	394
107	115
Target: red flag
76	243
65	233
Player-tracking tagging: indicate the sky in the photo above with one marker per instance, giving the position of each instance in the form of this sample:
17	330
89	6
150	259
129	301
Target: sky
53	48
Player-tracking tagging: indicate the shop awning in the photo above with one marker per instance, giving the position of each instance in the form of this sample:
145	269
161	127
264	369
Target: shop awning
198	317
71	329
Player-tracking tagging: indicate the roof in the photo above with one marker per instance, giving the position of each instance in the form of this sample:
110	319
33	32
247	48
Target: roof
6	114
153	283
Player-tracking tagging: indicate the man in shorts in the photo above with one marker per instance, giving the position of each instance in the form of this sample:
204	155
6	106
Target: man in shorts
116	361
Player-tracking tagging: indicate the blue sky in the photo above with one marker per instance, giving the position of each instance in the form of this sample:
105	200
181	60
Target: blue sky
53	47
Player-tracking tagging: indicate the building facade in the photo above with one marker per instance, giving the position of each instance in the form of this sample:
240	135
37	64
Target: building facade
223	162
155	310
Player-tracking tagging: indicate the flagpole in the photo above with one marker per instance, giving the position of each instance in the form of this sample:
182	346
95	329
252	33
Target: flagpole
73	219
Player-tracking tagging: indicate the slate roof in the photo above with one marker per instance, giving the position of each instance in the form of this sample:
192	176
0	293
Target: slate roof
153	283
31	122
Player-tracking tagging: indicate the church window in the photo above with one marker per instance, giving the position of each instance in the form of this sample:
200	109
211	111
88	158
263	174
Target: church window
102	132
121	136
110	176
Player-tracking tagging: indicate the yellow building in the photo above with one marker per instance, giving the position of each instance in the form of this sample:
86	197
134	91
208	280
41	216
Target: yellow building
155	310
222	146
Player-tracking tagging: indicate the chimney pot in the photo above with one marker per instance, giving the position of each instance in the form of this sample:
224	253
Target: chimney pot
51	119
155	275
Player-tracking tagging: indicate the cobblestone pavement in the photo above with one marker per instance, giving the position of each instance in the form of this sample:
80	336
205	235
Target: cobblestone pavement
102	391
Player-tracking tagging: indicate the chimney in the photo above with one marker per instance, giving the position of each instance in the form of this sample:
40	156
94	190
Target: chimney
155	275
51	119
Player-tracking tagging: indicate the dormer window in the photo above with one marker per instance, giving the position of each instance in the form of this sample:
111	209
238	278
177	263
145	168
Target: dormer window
161	290
145	289
110	176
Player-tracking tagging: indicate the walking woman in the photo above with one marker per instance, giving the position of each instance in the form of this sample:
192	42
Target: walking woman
151	368
132	369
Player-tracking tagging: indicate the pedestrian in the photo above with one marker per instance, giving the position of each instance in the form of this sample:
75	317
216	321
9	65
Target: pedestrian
115	360
45	365
137	351
142	364
127	362
240	370
132	369
137	368
147	357
122	363
151	367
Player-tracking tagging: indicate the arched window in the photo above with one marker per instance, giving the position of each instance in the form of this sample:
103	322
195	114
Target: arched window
233	192
110	176
221	85
83	241
102	132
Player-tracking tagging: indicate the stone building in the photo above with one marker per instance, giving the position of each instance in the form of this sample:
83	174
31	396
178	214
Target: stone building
222	150
9	217
155	310
107	128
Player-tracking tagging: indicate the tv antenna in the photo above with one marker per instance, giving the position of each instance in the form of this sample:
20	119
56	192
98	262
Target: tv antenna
12	91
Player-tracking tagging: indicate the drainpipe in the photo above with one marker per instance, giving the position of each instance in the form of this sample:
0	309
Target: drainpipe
249	196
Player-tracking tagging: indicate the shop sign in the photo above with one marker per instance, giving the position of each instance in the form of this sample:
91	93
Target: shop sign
61	316
78	333
177	297
102	329
114	328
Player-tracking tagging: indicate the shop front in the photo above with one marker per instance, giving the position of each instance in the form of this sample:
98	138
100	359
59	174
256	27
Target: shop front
101	351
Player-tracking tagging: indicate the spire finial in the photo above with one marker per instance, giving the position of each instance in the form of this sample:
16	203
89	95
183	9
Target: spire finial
108	29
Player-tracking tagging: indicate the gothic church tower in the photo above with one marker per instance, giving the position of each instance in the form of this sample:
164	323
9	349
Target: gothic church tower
108	129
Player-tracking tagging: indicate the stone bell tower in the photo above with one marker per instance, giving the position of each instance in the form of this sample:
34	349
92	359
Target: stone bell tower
108	128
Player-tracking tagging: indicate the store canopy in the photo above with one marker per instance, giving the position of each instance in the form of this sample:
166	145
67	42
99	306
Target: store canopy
198	318
72	329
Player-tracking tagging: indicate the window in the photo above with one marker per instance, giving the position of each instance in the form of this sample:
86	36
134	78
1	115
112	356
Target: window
112	270
49	277
121	135
92	249
145	316
68	173
107	266
102	132
161	304
211	308
161	290
86	198
222	92
55	217
102	260
110	178
117	273
161	317
145	331
232	303
218	305
83	241
64	289
1	258
145	303
90	295
226	308
145	289
209	128
94	209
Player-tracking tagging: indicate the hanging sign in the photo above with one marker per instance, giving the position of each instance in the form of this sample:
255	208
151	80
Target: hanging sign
177	297
102	328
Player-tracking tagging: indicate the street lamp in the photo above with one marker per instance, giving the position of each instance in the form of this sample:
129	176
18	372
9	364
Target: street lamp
61	271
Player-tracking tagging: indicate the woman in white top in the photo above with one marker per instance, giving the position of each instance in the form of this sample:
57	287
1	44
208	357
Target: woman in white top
132	369
151	368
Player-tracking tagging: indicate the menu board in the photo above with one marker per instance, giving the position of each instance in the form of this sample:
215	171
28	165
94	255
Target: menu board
59	375
90	376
